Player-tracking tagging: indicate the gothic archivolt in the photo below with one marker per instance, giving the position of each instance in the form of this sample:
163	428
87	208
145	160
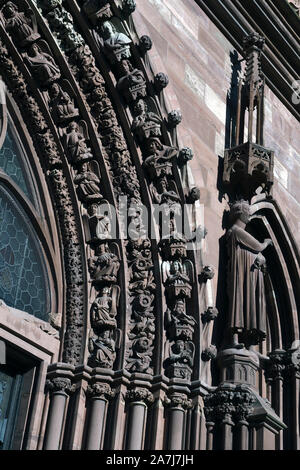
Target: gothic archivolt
132	319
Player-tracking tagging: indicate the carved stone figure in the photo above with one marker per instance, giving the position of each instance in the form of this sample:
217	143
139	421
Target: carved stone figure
247	303
178	323
103	350
88	184
116	45
42	65
133	84
141	359
97	10
21	26
74	142
100	221
178	277
146	123
62	105
104	266
159	161
104	309
181	359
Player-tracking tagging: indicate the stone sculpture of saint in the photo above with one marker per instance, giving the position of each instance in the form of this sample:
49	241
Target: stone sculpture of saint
182	353
88	184
42	65
103	350
116	45
75	144
159	160
104	309
62	105
20	25
146	123
246	290
178	316
132	84
105	265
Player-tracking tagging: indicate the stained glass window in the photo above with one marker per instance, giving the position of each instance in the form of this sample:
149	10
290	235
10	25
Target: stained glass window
12	161
23	280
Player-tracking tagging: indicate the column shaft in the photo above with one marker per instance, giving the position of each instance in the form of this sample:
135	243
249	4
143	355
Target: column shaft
55	420
135	426
96	425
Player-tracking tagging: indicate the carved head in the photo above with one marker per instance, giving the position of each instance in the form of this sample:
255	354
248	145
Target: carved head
140	107
54	90
106	291
178	347
154	144
127	67
240	210
34	49
179	307
51	4
10	10
108	29
73	126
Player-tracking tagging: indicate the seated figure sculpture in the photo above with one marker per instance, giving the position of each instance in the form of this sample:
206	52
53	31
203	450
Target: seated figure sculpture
146	123
116	45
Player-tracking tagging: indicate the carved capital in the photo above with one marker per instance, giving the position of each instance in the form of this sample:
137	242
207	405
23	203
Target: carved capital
139	395
276	367
228	406
100	390
59	385
178	400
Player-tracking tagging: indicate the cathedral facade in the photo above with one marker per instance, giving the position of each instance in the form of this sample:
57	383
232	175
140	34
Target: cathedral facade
149	225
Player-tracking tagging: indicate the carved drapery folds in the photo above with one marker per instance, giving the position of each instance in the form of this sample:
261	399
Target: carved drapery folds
73	95
246	267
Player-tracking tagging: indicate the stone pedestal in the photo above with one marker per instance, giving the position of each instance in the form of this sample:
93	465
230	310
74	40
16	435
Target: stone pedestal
238	366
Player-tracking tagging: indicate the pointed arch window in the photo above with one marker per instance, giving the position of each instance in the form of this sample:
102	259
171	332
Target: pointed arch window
24	282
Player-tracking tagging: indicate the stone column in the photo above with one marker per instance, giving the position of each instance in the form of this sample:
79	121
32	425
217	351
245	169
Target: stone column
177	404
138	401
274	374
292	379
98	395
59	388
227	409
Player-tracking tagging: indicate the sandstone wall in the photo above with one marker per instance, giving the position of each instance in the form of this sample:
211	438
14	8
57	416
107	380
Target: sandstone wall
198	60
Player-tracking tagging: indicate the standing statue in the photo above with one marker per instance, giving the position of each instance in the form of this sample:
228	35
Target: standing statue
246	290
21	26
